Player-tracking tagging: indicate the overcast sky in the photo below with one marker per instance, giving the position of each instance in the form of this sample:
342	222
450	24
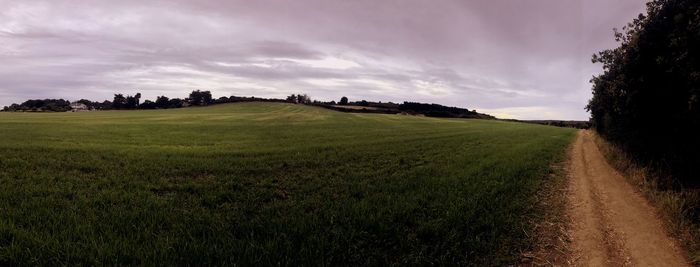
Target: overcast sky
525	59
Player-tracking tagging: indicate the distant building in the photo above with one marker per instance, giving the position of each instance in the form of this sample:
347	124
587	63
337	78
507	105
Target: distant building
75	106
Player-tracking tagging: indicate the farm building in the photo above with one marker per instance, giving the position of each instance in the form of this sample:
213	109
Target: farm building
75	106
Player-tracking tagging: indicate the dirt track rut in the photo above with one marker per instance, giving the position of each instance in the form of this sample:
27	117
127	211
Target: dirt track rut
612	224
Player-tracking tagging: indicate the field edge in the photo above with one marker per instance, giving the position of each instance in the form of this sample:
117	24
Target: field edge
549	223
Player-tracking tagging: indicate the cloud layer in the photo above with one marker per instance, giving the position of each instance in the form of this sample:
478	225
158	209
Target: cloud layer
513	58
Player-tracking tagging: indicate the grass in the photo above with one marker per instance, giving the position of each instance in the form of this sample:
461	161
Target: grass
678	207
548	227
267	184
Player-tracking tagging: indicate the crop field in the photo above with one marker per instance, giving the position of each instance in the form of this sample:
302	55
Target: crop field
267	184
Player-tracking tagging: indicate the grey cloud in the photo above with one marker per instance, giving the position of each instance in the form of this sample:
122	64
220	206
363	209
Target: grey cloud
515	56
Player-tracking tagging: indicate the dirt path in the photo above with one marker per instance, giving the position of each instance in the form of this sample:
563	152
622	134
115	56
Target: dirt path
613	225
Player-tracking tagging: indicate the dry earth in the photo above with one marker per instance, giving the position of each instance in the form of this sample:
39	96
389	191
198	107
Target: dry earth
612	224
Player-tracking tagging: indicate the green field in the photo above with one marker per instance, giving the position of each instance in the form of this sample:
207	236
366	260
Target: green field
267	184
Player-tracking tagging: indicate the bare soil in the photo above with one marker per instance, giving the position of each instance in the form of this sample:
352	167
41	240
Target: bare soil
612	224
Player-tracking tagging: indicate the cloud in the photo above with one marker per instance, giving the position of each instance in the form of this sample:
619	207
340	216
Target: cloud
525	59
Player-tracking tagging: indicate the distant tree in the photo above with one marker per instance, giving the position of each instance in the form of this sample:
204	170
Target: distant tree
105	105
132	102
14	107
363	103
176	103
435	110
200	98
162	102
56	105
119	102
343	101
222	99
292	98
303	99
148	104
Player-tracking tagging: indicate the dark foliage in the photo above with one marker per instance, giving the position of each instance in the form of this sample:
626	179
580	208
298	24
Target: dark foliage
435	110
570	124
162	102
299	99
126	102
343	101
148	104
292	98
647	100
431	110
235	99
119	101
355	110
303	99
105	105
201	98
56	105
176	103
133	102
387	105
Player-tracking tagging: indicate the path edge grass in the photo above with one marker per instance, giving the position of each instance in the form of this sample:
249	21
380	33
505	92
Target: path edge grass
675	207
548	223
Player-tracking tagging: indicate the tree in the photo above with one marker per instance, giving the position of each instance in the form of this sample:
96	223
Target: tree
343	101
222	99
56	105
137	98
175	103
647	100
303	99
148	104
132	102
105	105
14	107
200	98
292	98
162	102
119	101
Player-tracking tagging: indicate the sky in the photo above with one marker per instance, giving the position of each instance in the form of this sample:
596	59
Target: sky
523	59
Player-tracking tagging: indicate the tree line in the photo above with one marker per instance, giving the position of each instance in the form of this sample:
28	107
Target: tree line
647	100
121	102
126	102
436	110
204	98
55	105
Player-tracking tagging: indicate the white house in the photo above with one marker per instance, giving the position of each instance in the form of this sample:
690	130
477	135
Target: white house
75	106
